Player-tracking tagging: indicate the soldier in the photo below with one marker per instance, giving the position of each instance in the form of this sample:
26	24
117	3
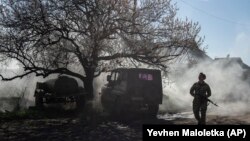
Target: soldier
200	91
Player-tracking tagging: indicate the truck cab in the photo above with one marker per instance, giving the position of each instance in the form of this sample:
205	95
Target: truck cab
133	90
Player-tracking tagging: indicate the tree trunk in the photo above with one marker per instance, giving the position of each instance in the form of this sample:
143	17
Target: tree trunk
88	83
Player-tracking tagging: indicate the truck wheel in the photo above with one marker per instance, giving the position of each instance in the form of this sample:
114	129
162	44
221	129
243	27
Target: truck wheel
153	110
38	100
80	101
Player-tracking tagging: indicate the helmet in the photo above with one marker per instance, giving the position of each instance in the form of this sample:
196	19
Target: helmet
202	75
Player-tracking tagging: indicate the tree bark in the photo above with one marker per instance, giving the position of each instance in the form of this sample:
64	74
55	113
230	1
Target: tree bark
88	83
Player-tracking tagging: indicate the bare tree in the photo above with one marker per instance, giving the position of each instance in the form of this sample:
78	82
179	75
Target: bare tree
50	36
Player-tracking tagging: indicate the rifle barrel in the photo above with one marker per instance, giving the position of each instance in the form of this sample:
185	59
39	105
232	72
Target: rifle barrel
212	102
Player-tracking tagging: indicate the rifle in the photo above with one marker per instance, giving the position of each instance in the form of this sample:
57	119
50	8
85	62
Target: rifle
212	102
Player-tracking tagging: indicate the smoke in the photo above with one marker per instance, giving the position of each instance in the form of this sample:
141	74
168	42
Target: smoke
99	82
17	93
229	83
20	92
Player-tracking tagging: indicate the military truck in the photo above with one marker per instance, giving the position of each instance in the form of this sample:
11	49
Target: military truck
132	91
64	89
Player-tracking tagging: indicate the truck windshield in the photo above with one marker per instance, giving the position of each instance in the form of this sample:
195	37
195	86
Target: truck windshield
118	76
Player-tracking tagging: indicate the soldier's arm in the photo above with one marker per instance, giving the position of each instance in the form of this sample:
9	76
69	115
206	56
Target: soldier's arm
192	90
208	91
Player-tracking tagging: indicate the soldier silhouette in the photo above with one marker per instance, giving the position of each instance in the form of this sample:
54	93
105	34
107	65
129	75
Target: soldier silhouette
200	91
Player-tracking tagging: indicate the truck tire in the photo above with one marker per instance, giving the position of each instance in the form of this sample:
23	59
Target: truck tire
153	110
38	100
80	102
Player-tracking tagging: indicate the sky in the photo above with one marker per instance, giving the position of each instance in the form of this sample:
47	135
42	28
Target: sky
225	24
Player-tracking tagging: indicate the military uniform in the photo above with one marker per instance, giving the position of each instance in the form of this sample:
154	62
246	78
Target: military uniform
200	91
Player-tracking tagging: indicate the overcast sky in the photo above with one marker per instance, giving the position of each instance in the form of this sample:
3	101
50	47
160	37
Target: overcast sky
224	23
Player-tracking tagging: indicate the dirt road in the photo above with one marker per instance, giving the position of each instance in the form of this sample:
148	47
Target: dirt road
66	129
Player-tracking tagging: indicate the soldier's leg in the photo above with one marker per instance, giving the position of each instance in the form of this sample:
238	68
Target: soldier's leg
203	112
196	109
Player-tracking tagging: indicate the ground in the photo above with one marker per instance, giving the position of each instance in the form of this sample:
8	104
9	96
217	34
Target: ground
79	128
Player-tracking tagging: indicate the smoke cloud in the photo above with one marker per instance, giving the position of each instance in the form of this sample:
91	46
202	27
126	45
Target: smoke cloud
229	83
16	93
